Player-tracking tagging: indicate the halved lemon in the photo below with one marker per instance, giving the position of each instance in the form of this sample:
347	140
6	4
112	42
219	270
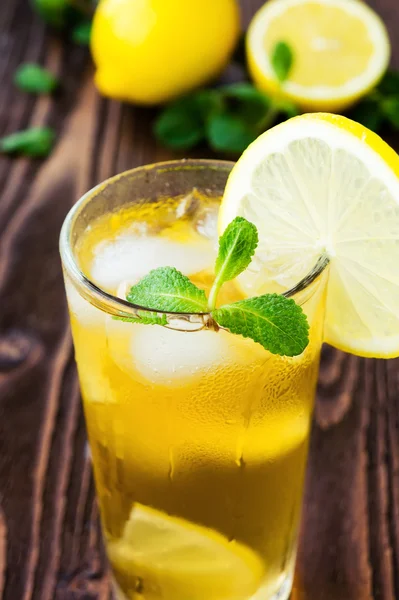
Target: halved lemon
341	49
176	560
322	184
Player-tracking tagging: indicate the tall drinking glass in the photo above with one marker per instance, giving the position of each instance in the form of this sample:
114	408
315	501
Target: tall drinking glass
198	437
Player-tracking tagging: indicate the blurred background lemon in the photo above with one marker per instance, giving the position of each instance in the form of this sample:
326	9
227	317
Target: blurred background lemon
151	51
341	50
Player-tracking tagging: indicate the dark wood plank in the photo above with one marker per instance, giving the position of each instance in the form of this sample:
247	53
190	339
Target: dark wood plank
49	538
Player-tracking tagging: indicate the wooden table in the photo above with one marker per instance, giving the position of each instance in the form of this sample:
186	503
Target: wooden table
49	541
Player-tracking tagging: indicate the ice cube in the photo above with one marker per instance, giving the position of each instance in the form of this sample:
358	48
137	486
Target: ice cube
188	205
206	222
170	356
130	256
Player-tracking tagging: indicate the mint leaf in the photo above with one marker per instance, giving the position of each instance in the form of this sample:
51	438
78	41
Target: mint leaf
275	322
282	59
33	78
168	289
145	318
81	33
246	102
181	126
229	133
236	249
237	246
209	102
34	142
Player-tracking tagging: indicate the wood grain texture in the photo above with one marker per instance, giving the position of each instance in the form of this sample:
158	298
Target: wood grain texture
49	538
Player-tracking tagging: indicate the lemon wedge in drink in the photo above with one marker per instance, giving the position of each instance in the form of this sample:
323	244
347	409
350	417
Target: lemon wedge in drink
176	560
322	184
341	49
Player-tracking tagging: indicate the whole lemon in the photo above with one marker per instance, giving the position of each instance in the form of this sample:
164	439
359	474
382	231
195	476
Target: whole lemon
150	51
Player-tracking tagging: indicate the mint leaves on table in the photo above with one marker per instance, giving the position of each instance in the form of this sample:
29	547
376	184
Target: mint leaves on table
182	125
282	60
32	78
81	33
228	118
34	142
275	322
72	15
53	12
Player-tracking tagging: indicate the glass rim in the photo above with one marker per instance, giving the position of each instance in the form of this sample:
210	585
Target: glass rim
122	308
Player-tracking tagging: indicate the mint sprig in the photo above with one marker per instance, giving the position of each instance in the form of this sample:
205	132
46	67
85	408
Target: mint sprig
275	322
34	79
228	118
282	60
34	142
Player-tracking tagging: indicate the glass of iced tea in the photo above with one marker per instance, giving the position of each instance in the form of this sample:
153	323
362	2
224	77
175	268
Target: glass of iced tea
199	437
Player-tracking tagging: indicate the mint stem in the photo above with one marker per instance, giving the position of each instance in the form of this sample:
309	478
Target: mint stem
214	292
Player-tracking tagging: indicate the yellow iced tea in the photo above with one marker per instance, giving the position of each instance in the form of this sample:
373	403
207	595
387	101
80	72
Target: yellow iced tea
199	438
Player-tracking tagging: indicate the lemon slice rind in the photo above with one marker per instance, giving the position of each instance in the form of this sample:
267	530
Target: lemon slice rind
176	559
323	184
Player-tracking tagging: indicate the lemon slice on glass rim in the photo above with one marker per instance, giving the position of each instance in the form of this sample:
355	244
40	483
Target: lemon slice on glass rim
322	184
341	49
177	560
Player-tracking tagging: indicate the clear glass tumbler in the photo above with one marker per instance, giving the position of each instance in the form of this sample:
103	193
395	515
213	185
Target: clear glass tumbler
198	437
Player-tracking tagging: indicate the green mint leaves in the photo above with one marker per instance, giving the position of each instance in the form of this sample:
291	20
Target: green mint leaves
273	321
236	249
74	16
228	118
282	60
81	33
34	79
169	290
53	12
34	142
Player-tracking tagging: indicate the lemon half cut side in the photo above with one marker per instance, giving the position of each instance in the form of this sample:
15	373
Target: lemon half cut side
341	49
